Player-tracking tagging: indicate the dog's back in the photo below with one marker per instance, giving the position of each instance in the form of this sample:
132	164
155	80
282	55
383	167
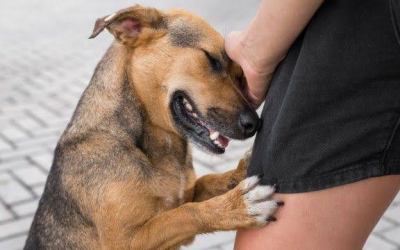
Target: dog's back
58	223
98	133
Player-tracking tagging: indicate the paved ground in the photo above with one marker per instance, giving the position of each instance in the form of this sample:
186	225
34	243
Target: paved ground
45	63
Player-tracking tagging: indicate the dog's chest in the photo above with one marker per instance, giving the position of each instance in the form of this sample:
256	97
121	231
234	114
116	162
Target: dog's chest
180	192
176	196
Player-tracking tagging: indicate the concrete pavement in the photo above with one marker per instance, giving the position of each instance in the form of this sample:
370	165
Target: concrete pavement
46	61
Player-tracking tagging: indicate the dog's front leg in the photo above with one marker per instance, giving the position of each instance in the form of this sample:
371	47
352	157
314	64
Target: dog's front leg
212	185
245	206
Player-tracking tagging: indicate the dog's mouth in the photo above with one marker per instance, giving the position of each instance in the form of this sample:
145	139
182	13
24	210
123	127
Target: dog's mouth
192	124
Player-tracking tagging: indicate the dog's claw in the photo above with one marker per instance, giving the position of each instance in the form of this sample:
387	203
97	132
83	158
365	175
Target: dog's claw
276	187
271	219
280	203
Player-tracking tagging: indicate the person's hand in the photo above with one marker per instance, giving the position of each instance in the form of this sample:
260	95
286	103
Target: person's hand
258	71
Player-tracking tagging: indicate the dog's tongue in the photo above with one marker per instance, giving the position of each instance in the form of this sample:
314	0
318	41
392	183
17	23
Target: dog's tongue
223	140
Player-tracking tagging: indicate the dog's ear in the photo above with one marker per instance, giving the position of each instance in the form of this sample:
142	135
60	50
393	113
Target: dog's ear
133	24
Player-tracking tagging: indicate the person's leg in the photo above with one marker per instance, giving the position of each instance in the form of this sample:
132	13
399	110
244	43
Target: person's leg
331	219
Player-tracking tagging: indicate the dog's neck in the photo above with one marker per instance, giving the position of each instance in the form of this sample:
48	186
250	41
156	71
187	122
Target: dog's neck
105	101
109	105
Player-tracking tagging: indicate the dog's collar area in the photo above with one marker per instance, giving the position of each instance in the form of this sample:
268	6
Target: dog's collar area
193	125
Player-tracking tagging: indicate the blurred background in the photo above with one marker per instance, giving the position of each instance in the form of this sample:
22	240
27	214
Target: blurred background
46	61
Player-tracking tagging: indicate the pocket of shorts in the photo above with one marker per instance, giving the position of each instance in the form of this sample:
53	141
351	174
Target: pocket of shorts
395	16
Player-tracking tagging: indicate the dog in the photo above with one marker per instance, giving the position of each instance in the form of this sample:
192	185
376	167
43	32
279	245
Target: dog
122	174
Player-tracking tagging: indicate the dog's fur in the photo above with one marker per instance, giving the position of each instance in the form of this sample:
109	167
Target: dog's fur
122	175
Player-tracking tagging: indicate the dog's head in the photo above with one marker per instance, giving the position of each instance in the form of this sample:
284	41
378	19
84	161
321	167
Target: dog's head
182	75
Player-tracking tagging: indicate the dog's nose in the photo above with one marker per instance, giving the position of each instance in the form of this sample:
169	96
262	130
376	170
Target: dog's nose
248	122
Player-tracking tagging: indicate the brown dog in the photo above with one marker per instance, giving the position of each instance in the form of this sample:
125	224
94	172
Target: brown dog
122	176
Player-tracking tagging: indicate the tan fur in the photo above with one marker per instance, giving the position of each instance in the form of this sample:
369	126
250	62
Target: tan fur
128	196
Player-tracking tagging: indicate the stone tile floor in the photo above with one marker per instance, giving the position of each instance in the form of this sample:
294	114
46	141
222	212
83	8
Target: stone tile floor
46	61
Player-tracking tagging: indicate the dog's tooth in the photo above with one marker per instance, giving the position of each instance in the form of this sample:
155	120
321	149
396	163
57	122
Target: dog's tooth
188	106
214	135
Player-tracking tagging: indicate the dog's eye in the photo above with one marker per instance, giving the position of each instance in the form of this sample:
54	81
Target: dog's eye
214	62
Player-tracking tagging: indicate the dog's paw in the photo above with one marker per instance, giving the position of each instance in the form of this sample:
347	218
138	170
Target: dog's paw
247	155
257	200
245	161
247	205
241	170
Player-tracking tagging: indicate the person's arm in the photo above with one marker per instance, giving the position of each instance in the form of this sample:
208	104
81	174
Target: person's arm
264	43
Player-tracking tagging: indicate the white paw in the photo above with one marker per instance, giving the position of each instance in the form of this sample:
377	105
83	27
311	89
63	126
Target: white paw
260	193
256	198
249	183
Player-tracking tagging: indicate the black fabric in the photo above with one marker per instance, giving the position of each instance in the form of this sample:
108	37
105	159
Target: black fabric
332	114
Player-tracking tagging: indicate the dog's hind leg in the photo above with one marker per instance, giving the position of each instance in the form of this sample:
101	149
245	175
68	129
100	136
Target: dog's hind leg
213	185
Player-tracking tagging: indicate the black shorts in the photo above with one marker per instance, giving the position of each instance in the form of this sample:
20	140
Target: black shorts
332	114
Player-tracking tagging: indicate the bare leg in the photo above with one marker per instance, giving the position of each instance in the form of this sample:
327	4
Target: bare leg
331	219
